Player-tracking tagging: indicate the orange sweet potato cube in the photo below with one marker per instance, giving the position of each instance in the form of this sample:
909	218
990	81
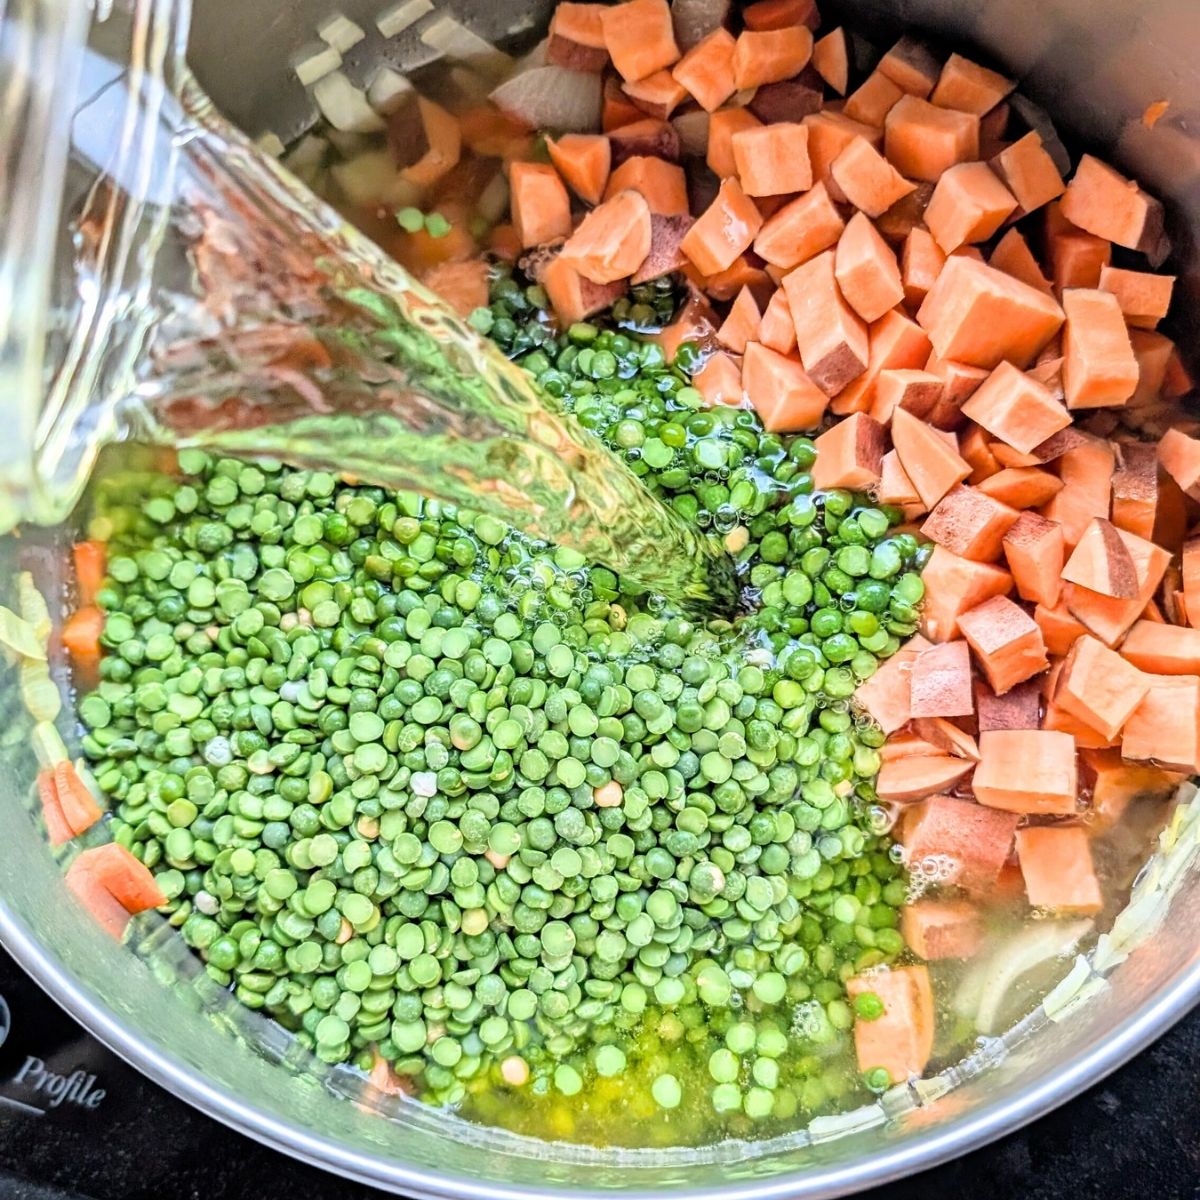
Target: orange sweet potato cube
850	454
1056	863
936	929
1027	771
1164	728
940	682
970	523
901	1040
1100	687
1006	641
957	842
952	586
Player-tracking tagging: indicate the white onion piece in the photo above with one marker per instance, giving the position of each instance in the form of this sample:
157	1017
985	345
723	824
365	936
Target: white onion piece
454	40
270	143
388	90
552	98
340	32
344	106
400	16
315	62
534	58
493	200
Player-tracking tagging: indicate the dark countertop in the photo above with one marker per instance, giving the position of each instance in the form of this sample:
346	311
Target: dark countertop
1135	1135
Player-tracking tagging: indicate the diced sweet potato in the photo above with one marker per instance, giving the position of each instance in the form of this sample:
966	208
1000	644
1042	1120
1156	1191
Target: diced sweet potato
1014	407
658	95
831	337
922	140
1027	771
867	179
968	205
723	125
981	316
1179	455
915	776
1143	298
1099	686
1021	487
1135	488
1106	204
800	230
1099	368
1019	708
917	392
1029	173
1086	469
886	695
894	485
1116	783
719	381
849	454
929	461
912	65
866	269
1164	728
901	1040
639	37
1162	649
612	241
831	58
1191	580
1056	863
583	160
968	87
895	343
661	184
726	228
773	159
970	523
1034	550
1108	617
872	100
771	55
953	585
944	736
957	842
940	682
777	330
1102	562
939	929
541	208
572	296
1006	641
1013	256
960	383
920	264
782	394
1075	257
781	14
706	70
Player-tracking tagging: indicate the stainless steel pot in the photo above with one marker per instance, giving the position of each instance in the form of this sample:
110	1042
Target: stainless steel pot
1096	65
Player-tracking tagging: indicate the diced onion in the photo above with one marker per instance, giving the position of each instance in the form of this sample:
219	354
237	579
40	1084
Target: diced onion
344	106
316	64
388	90
270	143
552	98
340	32
308	152
400	16
454	40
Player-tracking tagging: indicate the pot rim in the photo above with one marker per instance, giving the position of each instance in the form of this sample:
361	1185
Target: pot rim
959	1135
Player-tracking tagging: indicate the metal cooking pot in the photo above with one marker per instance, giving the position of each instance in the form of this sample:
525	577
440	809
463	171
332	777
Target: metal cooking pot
1096	65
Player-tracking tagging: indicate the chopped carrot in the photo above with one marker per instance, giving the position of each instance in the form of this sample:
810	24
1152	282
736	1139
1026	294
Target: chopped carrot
940	682
773	159
573	296
831	338
1013	256
658	95
831	58
867	179
970	523
1027	771
722	126
916	392
1144	298
894	343
941	929
726	228
912	66
1104	203
872	100
576	38
784	397
968	87
1007	642
777	330
899	1041
1163	728
81	635
90	560
462	285
719	381
1108	617
1086	470
894	485
1021	487
1162	649
113	885
1102	562
779	14
1029	173
1179	455
58	831
666	255
968	205
741	325
980	316
1099	686
920	264
932	465
639	37
922	141
706	70
849	454
953	585
1015	408
583	160
1056	864
661	184
612	241
771	55
867	271
76	806
1034	551
541	208
1099	366
800	230
916	776
1019	708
